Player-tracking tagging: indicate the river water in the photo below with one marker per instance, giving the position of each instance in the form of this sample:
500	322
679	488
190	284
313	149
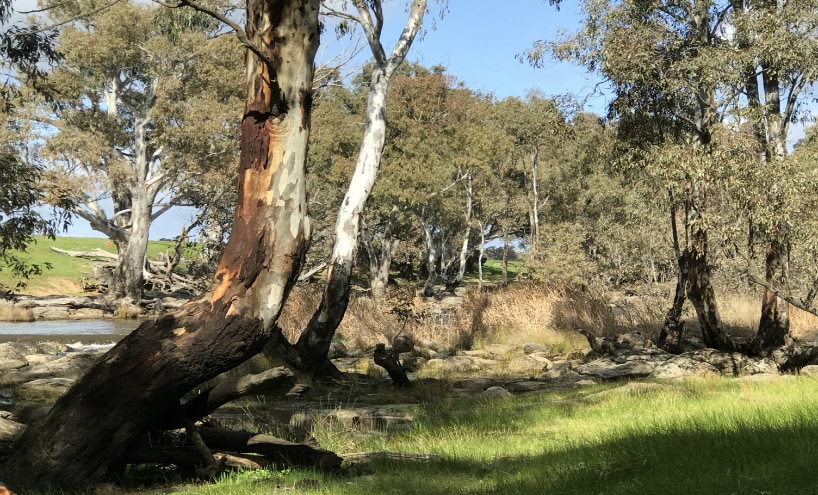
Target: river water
68	330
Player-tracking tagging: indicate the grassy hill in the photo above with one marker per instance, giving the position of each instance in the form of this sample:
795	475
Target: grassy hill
66	272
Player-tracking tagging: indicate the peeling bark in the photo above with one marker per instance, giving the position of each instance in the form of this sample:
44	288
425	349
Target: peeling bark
141	380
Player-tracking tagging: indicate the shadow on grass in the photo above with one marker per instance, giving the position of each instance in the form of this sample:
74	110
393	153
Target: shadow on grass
744	460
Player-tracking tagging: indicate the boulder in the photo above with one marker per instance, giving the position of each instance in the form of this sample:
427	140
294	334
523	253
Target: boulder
532	348
811	370
527	386
459	364
608	368
44	388
11	358
337	350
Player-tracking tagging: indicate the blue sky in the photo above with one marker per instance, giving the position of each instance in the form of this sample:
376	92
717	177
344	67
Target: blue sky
477	40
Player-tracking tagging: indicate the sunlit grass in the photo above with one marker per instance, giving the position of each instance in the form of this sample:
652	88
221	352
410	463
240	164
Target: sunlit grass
715	436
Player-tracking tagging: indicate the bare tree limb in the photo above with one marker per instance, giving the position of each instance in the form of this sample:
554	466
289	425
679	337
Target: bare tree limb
240	33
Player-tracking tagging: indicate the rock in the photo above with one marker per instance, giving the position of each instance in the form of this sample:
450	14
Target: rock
35	359
498	350
633	366
527	386
450	303
459	364
87	313
298	391
477	353
69	366
11	358
530	363
50	347
426	353
474	384
412	363
44	388
811	370
10	429
51	313
561	364
584	383
495	393
337	350
430	344
532	348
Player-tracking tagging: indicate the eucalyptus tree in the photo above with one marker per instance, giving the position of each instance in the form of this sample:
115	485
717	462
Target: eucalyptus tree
777	44
537	125
142	107
313	344
666	63
138	385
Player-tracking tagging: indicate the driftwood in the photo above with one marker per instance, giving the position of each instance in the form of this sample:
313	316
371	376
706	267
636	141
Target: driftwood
92	254
188	458
275	449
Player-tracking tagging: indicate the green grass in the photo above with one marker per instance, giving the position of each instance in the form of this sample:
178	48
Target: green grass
714	436
66	271
493	271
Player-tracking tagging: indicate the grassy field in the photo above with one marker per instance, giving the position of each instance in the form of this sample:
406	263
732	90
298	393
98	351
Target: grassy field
713	436
66	272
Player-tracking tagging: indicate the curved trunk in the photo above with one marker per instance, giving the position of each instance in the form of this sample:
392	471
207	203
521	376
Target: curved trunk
141	380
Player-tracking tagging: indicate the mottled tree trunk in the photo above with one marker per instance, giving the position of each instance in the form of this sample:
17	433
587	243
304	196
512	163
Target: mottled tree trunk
703	297
774	325
670	337
140	382
128	279
379	253
313	344
464	248
432	255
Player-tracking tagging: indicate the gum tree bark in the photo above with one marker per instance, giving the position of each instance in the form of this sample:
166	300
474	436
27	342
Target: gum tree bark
313	344
139	383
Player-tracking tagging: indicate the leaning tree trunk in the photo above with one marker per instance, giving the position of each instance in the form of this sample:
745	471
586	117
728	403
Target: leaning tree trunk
139	383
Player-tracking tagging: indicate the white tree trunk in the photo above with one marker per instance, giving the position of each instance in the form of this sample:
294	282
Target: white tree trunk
464	249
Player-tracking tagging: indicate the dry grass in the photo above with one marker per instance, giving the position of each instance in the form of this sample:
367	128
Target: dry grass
523	313
12	312
741	312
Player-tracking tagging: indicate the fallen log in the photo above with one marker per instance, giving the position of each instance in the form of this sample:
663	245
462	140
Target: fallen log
189	458
91	254
275	449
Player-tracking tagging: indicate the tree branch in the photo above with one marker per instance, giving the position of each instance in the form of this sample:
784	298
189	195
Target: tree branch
240	33
410	30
